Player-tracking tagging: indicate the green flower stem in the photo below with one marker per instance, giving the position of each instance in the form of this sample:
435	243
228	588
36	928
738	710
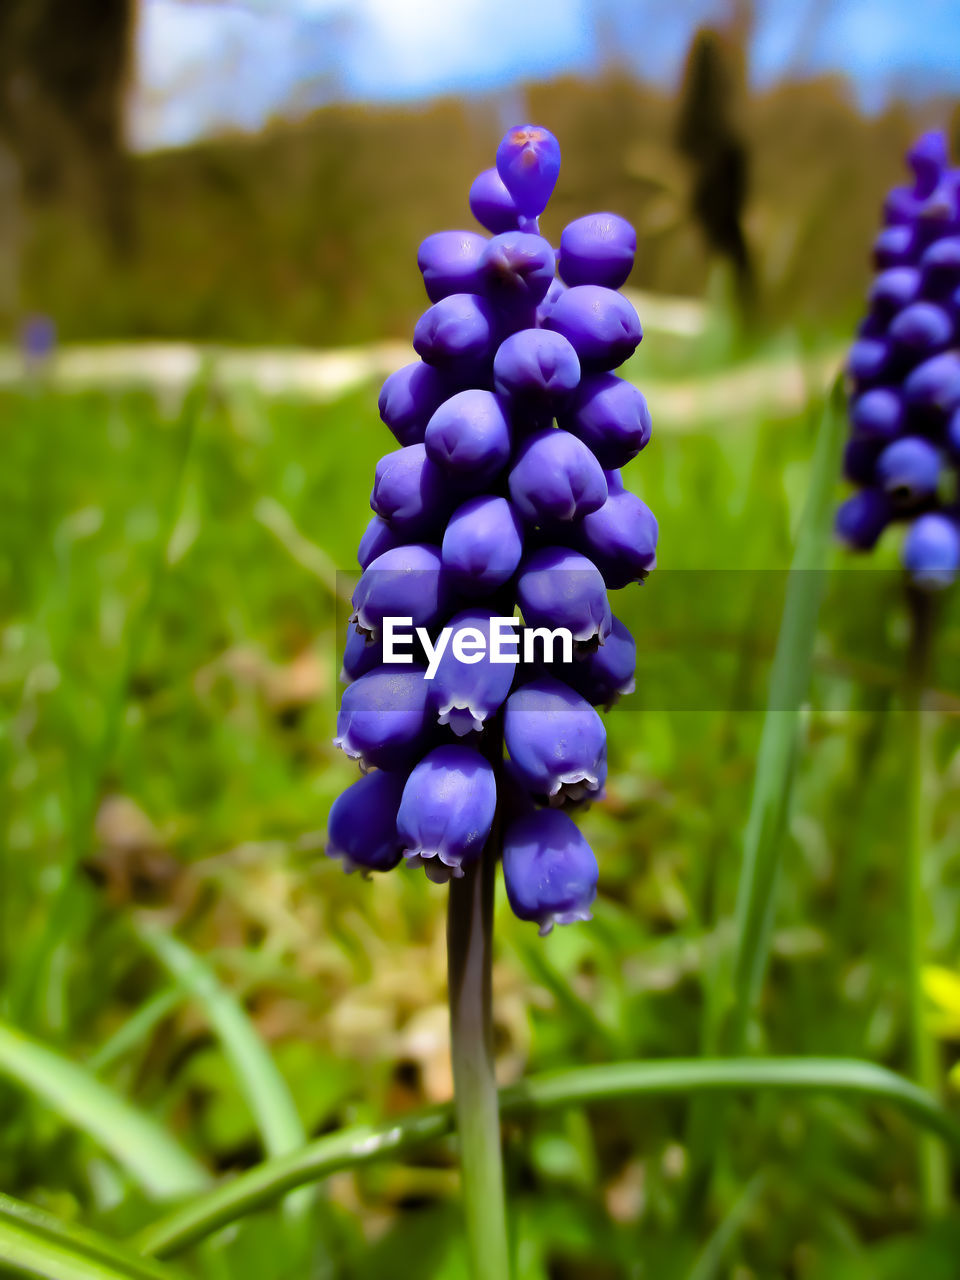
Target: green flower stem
361	1144
934	1174
469	961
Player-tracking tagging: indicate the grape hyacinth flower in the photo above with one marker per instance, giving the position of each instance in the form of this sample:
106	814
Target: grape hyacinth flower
504	498
904	377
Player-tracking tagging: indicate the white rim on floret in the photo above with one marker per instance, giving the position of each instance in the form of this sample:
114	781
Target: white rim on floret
461	717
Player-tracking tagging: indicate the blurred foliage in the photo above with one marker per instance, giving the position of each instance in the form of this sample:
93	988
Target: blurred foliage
168	677
307	232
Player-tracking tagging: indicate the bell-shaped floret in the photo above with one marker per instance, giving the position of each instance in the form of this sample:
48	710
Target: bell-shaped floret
921	330
408	398
383	720
549	870
878	414
862	519
609	673
410	492
360	655
516	269
528	162
469	437
456	332
909	470
600	324
482	545
621	539
449	262
492	204
597	249
538	369
931	551
558	587
405	582
362	827
556	478
447	811
557	742
474	672
610	416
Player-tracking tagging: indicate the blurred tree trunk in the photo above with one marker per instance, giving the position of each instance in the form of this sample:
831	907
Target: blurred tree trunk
63	79
708	134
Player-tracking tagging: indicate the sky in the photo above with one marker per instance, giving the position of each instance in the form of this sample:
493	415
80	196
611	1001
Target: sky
208	65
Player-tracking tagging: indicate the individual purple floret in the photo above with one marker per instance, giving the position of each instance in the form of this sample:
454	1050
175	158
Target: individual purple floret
610	416
516	269
905	375
598	249
470	437
481	640
362	827
931	550
377	538
562	588
403	582
383	721
409	492
456	332
556	740
409	398
607	674
450	262
482	545
620	538
528	162
447	810
549	870
555	478
600	324
537	368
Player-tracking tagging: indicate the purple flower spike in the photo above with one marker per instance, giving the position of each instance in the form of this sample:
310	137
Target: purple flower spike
383	720
492	204
410	492
620	539
862	519
598	249
404	582
516	270
909	470
470	437
556	478
608	674
931	551
561	588
528	162
467	687
611	417
557	742
362	827
549	870
377	538
482	545
536	368
449	262
408	399
600	324
459	330
447	811
878	413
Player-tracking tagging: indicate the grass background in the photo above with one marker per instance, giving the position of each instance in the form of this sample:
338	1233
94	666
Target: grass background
168	676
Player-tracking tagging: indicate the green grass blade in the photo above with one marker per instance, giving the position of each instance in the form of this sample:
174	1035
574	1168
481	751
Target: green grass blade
34	1243
136	1029
776	757
260	1080
149	1154
364	1143
712	1255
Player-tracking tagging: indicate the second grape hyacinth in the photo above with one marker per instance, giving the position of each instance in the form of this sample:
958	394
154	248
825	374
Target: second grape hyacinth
904	370
504	496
